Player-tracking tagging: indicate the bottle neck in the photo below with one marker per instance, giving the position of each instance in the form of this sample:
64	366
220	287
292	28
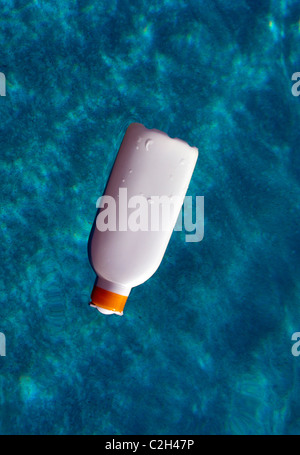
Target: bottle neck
113	287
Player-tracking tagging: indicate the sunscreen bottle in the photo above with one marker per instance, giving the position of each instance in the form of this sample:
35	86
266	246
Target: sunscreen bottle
137	213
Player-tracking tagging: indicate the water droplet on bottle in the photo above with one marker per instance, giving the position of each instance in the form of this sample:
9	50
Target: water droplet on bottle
182	162
123	180
148	144
137	148
130	171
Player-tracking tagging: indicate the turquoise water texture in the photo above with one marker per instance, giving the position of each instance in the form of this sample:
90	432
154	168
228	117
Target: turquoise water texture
204	346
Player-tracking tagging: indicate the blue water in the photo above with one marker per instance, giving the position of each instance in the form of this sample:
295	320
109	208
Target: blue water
204	347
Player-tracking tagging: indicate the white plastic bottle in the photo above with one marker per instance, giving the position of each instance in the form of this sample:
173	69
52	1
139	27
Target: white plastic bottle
149	165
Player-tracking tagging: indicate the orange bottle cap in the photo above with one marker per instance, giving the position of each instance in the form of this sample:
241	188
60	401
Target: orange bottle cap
107	300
